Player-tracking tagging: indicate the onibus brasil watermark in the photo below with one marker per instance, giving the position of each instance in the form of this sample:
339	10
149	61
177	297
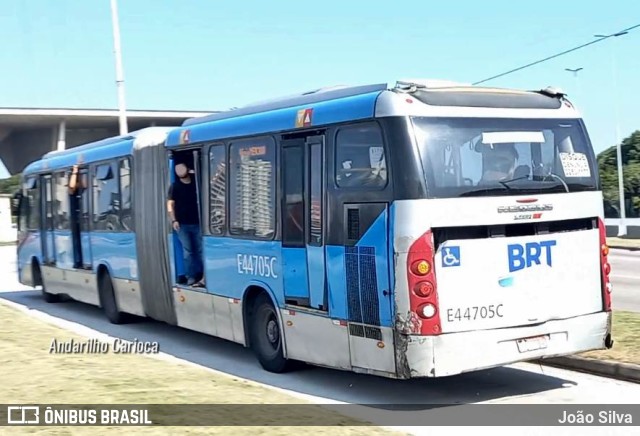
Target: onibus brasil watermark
96	346
221	414
36	415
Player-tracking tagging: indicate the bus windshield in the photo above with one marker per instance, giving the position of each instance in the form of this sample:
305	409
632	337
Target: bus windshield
502	156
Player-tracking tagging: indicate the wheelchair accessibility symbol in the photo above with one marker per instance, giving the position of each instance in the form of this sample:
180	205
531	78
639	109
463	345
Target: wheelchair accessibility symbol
450	256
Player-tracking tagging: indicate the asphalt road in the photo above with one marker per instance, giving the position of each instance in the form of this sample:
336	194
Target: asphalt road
514	384
625	277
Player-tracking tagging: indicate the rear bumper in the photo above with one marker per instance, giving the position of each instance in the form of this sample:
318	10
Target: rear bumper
456	353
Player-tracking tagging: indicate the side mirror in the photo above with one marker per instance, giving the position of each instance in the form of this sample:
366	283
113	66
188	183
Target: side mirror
16	201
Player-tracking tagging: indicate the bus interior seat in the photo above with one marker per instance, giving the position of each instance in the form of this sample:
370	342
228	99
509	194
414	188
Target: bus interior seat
522	171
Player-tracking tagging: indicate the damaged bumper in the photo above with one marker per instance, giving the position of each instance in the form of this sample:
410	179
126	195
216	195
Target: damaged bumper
456	353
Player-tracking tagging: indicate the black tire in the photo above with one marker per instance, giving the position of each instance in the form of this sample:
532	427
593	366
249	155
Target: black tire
108	301
38	280
266	337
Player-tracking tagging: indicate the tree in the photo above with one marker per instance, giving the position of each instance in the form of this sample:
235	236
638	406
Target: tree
607	162
10	185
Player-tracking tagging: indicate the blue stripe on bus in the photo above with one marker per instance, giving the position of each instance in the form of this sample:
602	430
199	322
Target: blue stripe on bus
64	249
232	265
295	273
317	282
30	248
67	160
376	238
336	283
117	251
324	113
391	255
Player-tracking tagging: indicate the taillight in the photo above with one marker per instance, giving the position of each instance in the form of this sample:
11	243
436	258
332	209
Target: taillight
423	295
605	266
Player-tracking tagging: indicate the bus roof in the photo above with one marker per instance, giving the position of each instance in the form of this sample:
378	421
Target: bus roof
342	104
93	151
324	106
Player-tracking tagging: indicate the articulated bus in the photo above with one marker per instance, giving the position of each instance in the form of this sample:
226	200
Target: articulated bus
422	229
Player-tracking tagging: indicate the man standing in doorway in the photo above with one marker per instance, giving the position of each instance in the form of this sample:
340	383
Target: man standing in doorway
75	187
185	220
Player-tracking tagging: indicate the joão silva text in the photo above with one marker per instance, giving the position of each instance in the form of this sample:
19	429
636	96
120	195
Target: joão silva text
95	346
108	417
604	417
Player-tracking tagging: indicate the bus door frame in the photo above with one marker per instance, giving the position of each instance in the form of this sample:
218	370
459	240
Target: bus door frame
304	266
47	218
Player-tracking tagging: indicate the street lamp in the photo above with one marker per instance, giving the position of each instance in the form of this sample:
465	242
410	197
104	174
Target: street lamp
622	228
119	72
575	75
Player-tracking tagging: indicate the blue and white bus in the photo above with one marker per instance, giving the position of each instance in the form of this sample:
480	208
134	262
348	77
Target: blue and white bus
422	229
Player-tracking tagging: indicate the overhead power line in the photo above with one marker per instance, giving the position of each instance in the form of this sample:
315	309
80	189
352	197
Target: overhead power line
602	38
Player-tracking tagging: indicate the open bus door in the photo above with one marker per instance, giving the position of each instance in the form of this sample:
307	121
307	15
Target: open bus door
178	259
47	221
19	214
80	213
191	158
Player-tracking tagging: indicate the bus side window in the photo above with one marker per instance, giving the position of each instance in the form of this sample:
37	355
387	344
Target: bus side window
31	203
252	187
126	217
360	157
61	199
106	198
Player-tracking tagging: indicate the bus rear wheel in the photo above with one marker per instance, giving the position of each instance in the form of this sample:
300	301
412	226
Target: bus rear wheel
108	301
39	280
266	337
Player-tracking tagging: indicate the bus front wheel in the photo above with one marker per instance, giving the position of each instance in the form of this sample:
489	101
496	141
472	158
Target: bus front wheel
266	337
39	280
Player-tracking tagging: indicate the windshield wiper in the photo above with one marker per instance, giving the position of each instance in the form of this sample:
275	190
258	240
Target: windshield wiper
553	175
487	189
504	182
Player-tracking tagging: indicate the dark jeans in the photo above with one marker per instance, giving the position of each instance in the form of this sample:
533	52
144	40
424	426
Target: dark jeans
191	240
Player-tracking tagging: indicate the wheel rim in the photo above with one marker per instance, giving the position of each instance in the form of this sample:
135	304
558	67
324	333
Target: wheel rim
272	332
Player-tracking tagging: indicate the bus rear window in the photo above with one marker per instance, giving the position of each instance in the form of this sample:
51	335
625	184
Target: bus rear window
480	156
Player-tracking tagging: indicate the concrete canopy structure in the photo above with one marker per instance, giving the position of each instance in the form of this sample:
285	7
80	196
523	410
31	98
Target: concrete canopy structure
28	133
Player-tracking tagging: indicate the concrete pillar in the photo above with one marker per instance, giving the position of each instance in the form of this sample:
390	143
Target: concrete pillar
4	132
62	135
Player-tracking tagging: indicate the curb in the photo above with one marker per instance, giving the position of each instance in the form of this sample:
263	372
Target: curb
604	368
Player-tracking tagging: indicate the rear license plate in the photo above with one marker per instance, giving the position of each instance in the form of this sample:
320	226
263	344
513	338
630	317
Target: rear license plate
532	344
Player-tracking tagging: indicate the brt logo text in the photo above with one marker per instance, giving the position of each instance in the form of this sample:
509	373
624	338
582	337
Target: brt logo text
529	254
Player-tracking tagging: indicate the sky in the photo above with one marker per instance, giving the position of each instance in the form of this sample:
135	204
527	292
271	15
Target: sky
210	55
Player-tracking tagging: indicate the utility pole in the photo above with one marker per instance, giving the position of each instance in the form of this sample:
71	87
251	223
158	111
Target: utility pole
622	228
124	129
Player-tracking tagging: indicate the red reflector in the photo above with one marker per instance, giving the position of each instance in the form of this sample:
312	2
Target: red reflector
607	268
527	200
423	289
